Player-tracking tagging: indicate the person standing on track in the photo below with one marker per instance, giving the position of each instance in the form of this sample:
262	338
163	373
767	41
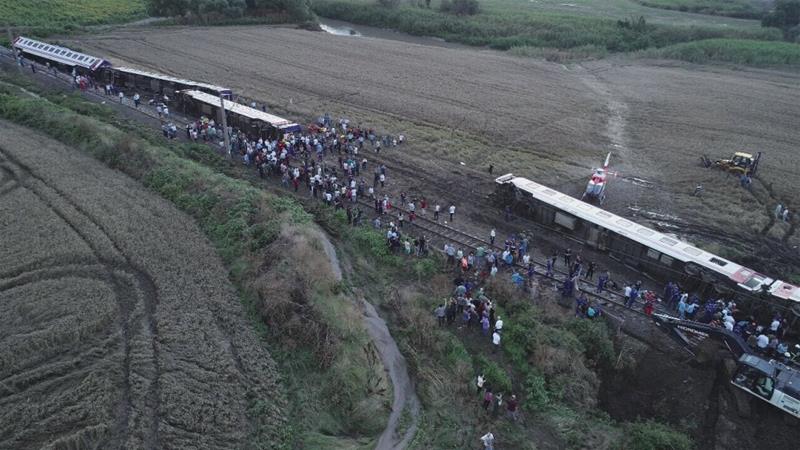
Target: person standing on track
567	257
492	235
590	271
436	210
452	212
136	100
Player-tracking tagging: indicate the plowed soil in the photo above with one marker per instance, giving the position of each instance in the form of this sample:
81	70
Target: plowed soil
463	109
118	326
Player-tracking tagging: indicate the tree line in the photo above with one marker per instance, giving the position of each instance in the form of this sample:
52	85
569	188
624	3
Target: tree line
212	9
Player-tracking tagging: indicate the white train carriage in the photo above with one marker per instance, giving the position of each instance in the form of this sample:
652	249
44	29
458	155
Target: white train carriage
253	121
160	83
58	56
636	245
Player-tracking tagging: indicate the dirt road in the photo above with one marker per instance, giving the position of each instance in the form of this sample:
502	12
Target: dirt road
119	326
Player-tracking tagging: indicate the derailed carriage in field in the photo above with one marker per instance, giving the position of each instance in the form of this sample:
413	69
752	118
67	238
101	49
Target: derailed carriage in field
61	58
157	83
643	248
254	122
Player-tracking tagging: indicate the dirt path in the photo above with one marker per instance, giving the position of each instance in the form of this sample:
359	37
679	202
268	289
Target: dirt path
405	397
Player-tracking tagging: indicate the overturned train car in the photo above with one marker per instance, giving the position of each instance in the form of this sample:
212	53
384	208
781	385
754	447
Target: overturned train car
643	248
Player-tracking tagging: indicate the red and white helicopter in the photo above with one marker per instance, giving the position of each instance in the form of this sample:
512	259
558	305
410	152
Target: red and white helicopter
596	187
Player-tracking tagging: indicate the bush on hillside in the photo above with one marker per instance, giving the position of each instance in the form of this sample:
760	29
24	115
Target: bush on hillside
389	3
460	7
652	435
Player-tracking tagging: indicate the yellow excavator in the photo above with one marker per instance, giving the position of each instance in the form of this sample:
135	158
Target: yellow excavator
740	163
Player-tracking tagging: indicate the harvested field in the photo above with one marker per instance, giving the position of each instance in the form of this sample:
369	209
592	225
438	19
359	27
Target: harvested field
118	325
546	121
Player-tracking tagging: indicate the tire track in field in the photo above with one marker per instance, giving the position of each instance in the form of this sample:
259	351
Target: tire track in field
9	179
127	300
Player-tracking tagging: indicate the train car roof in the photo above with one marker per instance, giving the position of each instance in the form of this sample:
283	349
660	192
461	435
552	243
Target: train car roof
163	77
61	55
243	110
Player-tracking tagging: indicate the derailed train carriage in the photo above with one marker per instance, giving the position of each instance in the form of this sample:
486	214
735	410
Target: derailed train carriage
137	79
638	246
59	57
254	122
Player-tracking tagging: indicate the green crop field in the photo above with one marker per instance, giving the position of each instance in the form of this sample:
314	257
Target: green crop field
57	15
747	9
735	51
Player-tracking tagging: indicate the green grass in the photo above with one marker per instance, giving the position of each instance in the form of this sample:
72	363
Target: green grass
654	436
51	16
745	9
504	28
737	51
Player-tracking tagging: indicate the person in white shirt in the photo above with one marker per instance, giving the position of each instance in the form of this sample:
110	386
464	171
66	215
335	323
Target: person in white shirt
775	325
479	383
498	324
762	341
452	212
492	235
436	210
496	341
488	441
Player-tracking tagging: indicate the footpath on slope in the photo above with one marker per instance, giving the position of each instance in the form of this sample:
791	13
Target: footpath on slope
405	396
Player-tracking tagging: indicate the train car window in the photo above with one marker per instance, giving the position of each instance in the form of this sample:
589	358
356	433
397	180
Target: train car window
550	192
645	231
654	254
667	260
719	262
668	241
692	251
624	223
764	386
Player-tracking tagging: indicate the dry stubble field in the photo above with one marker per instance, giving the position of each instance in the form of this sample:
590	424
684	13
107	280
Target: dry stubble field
118	325
542	120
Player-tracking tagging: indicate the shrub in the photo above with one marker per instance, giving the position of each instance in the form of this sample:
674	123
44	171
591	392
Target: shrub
495	375
460	7
535	392
651	435
593	334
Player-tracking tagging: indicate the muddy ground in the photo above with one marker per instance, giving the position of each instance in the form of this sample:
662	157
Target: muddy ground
463	109
118	325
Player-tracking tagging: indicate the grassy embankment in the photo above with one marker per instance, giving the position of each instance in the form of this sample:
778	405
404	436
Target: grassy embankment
549	359
737	51
559	35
